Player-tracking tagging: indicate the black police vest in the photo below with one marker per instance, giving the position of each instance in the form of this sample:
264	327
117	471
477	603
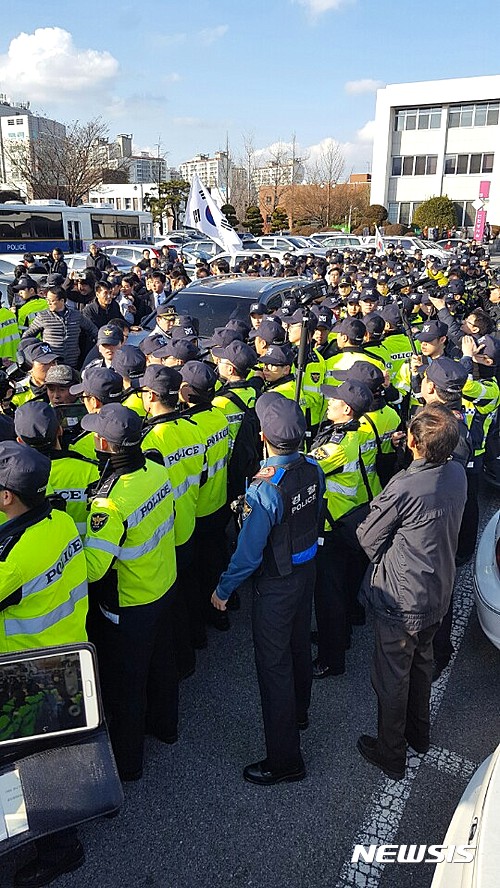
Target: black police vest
294	541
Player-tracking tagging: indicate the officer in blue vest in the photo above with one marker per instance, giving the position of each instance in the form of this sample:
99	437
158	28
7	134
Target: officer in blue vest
277	547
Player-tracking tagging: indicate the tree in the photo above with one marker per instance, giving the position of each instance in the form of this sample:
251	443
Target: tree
279	219
253	221
230	213
326	172
437	212
171	198
63	162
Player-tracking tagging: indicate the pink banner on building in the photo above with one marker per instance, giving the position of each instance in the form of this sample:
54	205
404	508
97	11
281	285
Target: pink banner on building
484	190
479	225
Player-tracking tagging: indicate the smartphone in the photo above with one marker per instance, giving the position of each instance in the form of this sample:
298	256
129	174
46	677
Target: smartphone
47	694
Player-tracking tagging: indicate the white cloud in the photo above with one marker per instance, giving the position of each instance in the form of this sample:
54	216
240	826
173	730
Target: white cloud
356	154
318	7
356	87
172	78
367	132
47	66
209	35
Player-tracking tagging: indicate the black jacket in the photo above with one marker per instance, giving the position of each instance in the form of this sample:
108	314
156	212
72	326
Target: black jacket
410	535
100	316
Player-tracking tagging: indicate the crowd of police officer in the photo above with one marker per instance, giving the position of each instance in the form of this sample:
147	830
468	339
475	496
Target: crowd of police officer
149	447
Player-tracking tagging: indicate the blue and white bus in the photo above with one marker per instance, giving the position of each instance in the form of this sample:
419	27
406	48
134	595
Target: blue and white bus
39	226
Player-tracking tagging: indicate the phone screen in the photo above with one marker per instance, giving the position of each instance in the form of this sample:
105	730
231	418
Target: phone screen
47	695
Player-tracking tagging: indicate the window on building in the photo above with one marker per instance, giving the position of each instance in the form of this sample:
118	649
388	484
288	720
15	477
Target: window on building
11	122
404	213
487	165
19	121
420	165
392	213
480	114
409	165
462	164
417	118
118	203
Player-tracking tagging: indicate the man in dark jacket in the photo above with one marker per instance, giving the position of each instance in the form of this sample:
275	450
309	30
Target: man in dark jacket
104	308
411	536
98	260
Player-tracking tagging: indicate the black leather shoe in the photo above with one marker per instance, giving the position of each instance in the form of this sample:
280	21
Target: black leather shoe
218	619
259	774
38	873
368	748
234	602
320	671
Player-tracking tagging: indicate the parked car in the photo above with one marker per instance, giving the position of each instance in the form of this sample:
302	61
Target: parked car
473	833
235	258
132	252
339	241
284	243
487	580
77	262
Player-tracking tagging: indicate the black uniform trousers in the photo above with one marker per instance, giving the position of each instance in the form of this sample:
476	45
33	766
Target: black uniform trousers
212	557
281	624
331	603
139	678
401	677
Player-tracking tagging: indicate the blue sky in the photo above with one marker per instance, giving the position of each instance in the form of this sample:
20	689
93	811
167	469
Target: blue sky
189	72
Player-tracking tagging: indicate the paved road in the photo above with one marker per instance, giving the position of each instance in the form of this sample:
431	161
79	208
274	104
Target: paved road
193	823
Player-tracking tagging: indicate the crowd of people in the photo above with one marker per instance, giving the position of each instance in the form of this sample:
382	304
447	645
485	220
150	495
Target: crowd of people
131	465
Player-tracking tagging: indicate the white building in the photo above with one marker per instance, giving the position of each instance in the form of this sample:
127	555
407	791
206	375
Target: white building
439	137
214	172
279	172
18	123
128	196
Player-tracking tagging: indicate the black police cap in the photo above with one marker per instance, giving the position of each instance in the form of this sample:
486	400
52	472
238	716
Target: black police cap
23	470
281	420
116	424
36	423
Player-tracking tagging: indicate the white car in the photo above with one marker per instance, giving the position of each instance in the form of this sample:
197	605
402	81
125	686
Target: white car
132	252
473	833
487	580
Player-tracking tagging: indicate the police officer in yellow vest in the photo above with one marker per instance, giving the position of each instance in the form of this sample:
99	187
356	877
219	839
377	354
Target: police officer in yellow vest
9	334
180	442
71	475
237	395
40	357
99	385
130	552
337	449
350	340
27	292
212	511
43	602
130	363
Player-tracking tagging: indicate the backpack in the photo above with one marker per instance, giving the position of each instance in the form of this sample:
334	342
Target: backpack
247	449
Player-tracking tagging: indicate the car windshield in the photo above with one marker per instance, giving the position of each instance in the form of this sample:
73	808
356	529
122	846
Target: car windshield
211	310
299	242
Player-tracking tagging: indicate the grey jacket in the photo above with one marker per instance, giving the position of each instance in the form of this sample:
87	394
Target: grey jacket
62	332
410	535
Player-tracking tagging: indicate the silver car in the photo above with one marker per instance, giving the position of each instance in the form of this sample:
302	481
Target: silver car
487	580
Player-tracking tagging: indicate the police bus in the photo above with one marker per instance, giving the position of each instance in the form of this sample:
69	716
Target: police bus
41	225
